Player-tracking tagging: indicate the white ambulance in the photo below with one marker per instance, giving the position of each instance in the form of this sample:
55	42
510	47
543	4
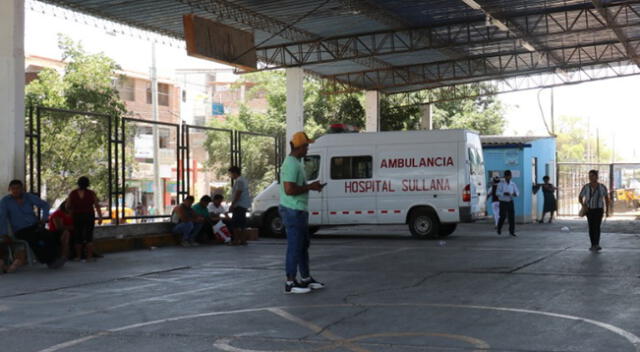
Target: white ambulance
430	180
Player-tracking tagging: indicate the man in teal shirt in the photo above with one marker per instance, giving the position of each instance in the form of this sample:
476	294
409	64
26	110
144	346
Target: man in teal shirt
294	205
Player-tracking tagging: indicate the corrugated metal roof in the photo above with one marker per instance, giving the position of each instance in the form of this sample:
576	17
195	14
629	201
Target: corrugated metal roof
425	43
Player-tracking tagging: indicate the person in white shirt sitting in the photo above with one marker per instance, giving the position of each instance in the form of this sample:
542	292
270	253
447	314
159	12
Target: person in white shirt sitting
507	190
217	212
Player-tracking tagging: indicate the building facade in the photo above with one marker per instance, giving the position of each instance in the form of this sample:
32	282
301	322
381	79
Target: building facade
529	159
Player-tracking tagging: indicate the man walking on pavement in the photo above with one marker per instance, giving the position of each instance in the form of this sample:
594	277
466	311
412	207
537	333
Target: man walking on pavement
495	200
240	203
507	190
294	205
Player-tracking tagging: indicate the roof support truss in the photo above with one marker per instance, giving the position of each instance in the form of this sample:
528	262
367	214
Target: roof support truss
612	22
524	82
557	22
489	67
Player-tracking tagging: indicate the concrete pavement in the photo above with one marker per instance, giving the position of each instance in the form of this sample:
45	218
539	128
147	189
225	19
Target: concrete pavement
474	291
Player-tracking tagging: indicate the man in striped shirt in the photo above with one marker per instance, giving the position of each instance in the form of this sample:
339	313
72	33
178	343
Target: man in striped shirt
594	196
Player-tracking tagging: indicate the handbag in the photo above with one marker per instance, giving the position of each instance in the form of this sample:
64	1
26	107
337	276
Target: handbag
583	211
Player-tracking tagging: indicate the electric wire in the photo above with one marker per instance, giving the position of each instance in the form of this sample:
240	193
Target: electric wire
544	119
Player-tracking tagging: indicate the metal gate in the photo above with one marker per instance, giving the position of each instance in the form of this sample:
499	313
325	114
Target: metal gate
121	160
622	180
58	142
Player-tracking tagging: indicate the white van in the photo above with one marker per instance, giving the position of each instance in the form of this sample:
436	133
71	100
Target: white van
430	180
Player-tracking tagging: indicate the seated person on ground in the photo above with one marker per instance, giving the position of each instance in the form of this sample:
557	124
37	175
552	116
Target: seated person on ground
216	209
17	214
188	223
220	223
206	231
61	223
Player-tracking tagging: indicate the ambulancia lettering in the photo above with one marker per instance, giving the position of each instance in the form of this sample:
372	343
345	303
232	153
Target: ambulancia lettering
399	163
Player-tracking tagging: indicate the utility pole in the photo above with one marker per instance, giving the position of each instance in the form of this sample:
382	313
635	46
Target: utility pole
157	186
553	120
598	145
613	152
587	140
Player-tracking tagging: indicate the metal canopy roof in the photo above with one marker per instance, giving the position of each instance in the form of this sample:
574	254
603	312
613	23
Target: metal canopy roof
407	45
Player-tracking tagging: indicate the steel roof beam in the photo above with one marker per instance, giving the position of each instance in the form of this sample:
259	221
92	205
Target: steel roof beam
611	20
349	47
488	67
526	41
527	82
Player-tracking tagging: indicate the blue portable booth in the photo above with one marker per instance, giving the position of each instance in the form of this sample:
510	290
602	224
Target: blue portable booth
529	159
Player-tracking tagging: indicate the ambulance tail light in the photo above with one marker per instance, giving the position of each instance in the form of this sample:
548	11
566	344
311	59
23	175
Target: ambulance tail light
466	193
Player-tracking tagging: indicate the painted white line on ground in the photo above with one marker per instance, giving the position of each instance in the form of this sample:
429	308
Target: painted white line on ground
158	298
633	339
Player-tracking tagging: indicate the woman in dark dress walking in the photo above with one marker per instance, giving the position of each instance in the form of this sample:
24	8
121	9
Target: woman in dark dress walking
81	203
548	193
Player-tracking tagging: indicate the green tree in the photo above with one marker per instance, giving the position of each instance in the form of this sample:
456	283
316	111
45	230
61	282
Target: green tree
72	144
574	143
258	153
484	114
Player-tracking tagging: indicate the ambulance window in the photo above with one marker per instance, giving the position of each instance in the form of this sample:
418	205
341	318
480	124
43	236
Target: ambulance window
476	162
312	166
351	167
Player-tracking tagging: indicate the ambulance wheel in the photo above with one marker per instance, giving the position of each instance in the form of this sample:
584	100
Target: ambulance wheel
272	225
424	224
447	229
313	230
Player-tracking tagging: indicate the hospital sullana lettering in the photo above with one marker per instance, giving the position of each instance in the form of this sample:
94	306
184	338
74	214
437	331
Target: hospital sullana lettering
386	186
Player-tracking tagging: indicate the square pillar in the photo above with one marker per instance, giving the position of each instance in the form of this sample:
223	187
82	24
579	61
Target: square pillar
426	121
12	78
372	110
295	101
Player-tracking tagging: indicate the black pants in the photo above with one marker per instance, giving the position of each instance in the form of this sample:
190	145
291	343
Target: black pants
507	211
45	244
594	219
83	224
206	232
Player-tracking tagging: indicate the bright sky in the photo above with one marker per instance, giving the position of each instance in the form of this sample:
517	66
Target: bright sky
612	106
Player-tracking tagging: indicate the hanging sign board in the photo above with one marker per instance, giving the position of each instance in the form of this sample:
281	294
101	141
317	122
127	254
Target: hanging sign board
220	43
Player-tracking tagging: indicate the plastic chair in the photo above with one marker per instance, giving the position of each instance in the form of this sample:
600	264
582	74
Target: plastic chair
30	256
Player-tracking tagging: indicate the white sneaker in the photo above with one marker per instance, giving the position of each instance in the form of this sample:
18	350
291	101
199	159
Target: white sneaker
185	244
295	287
311	283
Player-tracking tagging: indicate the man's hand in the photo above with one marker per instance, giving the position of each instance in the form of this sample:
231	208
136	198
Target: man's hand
100	220
315	186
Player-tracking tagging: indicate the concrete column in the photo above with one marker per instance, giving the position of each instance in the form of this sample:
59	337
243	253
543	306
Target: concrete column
426	122
12	119
295	102
372	110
